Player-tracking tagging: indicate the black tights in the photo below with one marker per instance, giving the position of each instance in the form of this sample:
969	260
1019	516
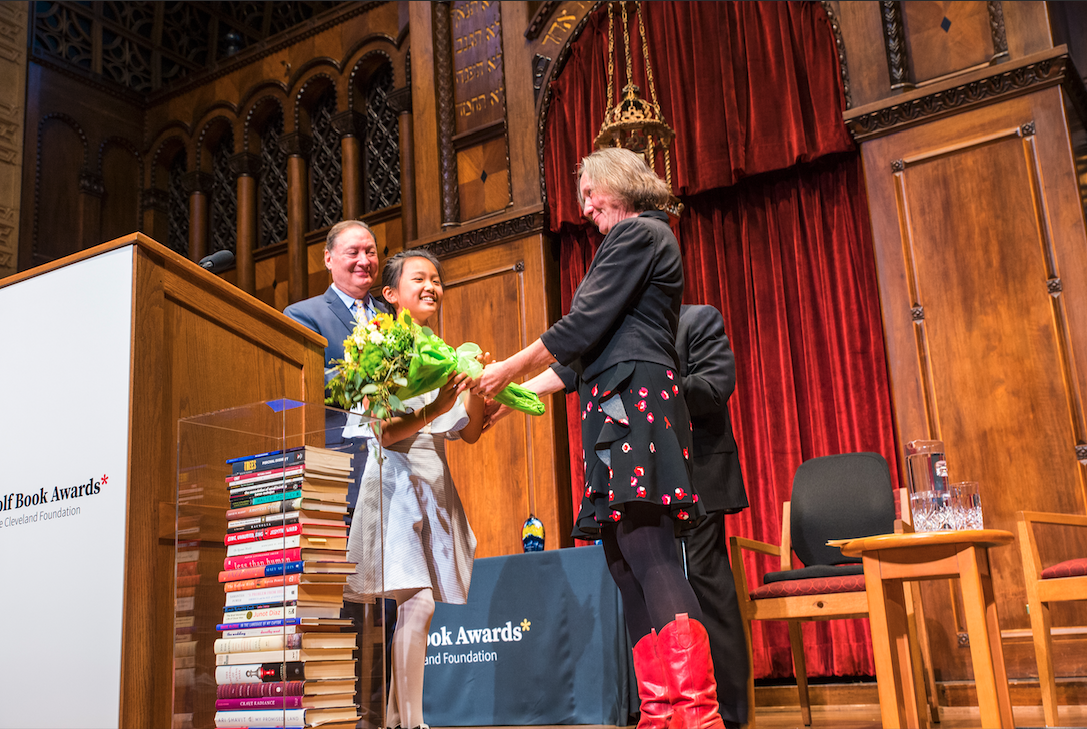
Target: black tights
642	559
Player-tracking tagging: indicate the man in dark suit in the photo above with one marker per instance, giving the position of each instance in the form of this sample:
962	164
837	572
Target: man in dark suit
708	378
351	256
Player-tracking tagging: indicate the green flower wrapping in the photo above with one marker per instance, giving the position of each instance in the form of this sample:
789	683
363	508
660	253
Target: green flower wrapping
388	360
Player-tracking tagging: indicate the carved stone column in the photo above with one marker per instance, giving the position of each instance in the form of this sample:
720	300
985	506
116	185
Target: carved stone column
400	102
91	191
350	125
198	185
155	206
246	167
297	147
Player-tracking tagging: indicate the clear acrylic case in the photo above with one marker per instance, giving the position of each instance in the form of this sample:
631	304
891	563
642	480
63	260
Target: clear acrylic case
274	472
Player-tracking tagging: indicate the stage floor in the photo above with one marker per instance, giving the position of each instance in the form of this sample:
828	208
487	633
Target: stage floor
867	717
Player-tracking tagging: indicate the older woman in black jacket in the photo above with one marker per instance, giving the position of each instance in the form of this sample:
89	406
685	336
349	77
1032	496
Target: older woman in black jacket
617	346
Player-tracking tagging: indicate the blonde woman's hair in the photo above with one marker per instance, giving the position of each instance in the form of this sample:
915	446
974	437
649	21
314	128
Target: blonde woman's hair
625	175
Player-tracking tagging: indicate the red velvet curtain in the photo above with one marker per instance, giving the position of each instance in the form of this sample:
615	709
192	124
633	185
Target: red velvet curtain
775	234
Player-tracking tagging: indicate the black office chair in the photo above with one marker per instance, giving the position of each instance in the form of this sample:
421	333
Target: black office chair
834	497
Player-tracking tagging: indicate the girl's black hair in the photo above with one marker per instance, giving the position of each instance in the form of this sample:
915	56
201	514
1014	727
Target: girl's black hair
394	266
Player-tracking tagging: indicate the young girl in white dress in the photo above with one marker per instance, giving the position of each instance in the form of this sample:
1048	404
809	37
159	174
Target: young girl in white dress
409	535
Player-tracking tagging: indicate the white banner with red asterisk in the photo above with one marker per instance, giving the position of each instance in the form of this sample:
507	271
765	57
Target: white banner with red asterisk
65	340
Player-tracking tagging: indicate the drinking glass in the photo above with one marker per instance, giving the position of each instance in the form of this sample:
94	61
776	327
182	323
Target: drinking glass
921	507
966	505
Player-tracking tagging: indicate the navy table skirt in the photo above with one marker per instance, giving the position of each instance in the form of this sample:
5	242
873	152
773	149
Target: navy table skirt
540	641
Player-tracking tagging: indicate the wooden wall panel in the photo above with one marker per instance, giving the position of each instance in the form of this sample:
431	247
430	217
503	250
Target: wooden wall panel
496	297
121	201
944	38
60	151
972	216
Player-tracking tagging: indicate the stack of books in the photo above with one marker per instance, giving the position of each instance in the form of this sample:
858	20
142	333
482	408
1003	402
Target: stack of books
281	660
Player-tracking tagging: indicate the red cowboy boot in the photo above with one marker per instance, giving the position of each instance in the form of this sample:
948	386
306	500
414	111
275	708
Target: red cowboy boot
684	648
652	684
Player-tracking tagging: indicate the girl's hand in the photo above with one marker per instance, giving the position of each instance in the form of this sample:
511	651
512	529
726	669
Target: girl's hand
494	411
448	393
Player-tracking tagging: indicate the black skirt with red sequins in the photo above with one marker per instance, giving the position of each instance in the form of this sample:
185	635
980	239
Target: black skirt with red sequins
636	436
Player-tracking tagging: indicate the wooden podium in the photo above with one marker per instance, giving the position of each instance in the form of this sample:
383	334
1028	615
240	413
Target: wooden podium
198	345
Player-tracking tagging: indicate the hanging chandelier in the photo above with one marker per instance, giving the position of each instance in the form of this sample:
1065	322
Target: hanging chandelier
631	121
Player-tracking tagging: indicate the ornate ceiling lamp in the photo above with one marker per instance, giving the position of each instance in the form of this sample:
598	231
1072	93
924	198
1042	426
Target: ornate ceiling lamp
632	122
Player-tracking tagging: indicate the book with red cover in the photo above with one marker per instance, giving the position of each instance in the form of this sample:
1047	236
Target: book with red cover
316	701
312	568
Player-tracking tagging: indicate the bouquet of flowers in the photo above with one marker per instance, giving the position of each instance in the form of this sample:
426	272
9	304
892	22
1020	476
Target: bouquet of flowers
387	360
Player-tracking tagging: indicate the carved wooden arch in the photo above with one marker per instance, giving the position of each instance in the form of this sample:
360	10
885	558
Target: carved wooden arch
71	122
547	69
303	100
253	112
362	72
372	43
123	143
839	43
544	71
174	139
211	132
74	126
259	112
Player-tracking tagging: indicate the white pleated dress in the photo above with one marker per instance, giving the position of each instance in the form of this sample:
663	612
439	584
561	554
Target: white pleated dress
409	509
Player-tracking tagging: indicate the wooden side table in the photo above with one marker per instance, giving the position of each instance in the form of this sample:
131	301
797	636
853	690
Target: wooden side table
891	559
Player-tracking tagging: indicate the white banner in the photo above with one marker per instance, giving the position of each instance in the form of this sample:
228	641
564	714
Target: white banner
65	338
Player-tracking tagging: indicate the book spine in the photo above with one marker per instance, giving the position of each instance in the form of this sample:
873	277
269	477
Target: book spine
276	557
281	530
266	643
260	522
262	582
244	617
278	624
259	690
277	484
242	575
270	631
270	474
260	673
258	500
266	702
241	659
267	461
257	718
262	509
263	545
262	595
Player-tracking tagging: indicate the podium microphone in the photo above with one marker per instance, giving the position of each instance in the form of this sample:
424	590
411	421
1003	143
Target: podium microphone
217	261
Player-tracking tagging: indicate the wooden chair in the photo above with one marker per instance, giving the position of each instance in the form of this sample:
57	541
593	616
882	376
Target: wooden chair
834	497
1065	580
